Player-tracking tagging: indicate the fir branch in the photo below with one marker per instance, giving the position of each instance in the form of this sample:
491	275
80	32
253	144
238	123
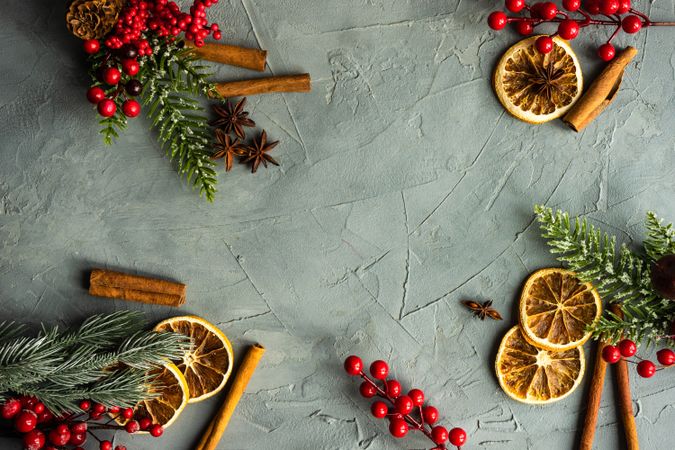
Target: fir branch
172	79
660	238
61	368
112	126
620	278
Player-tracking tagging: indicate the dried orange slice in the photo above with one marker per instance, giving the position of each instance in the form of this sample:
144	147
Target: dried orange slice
534	87
557	309
170	397
208	364
536	376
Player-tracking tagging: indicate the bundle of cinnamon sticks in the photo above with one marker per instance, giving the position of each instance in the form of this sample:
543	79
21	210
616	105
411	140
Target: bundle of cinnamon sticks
254	59
625	401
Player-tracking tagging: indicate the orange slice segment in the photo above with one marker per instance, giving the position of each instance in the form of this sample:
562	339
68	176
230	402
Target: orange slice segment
534	87
208	364
537	376
557	309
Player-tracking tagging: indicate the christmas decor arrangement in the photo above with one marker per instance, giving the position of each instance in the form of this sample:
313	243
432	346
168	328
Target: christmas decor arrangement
404	412
639	287
55	387
571	18
541	360
148	50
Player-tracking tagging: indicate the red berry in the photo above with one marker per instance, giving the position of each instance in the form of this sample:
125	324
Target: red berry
571	5
25	421
497	20
105	445
91	46
666	357
515	5
609	7
130	66
457	437
111	76
27	402
524	28
568	29
592	6
78	427
631	24
59	439
353	365
132	426
606	52
10	408
62	428
106	108
156	430
367	390
77	439
114	409
544	44
128	413
85	405
379	369
430	414
393	388
611	354
627	348
663	276
439	434
646	369
46	416
99	408
379	409
131	108
398	428
145	423
624	6
404	405
217	35
547	10
34	440
417	396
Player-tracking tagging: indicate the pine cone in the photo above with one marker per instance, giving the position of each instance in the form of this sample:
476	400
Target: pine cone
92	19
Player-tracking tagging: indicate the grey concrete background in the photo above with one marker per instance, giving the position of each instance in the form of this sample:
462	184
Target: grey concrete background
404	188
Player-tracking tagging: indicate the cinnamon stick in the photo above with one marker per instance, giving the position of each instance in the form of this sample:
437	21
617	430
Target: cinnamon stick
624	396
107	283
593	400
601	93
248	58
216	428
288	83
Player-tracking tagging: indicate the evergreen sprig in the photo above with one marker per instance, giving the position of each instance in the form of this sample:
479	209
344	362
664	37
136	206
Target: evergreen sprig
173	80
106	359
620	277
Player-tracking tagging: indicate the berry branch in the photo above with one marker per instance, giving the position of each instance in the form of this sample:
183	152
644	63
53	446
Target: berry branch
617	13
405	412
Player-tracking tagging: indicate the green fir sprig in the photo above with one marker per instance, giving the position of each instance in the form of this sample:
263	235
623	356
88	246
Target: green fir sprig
621	276
106	359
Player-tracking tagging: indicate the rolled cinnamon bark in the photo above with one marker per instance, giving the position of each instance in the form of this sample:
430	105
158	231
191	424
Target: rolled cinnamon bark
107	283
624	396
289	83
248	58
593	400
217	427
601	93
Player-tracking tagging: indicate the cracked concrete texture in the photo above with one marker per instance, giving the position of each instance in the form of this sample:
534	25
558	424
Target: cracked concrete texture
404	187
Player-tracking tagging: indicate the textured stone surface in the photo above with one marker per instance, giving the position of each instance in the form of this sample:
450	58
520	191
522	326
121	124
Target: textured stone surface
404	187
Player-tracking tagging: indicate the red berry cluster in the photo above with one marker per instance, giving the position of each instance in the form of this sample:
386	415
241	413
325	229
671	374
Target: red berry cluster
117	71
164	19
43	430
404	412
616	13
645	368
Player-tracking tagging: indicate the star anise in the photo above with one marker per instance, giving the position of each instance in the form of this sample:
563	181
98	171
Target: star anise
482	311
227	148
257	152
232	118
